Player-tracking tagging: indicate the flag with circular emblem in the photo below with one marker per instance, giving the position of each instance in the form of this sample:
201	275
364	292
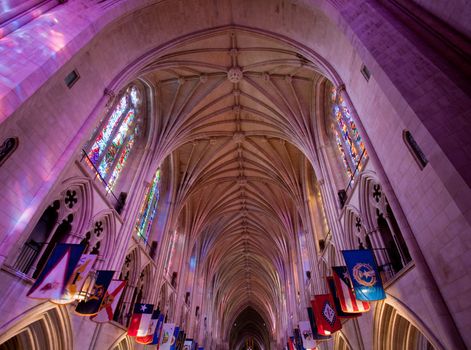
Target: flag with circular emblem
364	274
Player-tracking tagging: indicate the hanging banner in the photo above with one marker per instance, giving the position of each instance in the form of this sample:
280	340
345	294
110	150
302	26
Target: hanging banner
92	305
180	340
324	312
345	292
364	274
166	336
140	320
54	277
306	335
108	306
188	345
154	322
291	343
158	330
312	321
338	307
173	343
77	280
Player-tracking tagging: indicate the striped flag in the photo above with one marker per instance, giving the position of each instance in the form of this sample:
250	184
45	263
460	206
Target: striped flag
109	303
140	320
345	292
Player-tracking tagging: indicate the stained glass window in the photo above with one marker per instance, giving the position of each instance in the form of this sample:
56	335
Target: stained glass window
349	143
113	142
148	208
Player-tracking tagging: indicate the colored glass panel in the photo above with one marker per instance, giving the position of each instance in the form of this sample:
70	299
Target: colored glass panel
348	140
120	164
148	207
105	134
343	155
354	133
114	142
115	146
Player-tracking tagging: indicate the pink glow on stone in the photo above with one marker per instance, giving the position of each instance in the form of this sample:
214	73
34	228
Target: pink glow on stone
24	218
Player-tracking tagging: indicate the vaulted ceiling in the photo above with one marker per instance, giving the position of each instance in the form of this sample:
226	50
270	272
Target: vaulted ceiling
236	111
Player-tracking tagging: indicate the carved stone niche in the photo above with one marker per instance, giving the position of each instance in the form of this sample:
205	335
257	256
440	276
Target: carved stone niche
7	148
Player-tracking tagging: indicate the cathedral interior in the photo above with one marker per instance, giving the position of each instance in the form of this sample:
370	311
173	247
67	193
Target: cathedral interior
218	158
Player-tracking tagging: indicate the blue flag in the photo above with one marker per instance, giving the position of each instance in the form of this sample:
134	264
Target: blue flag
364	274
158	330
173	344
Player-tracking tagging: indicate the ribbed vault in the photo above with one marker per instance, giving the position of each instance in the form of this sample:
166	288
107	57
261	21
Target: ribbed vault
236	112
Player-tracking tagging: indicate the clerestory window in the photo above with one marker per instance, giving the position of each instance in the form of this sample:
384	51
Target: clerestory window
112	143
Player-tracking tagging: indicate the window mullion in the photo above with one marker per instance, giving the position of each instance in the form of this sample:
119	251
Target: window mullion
112	137
102	123
117	157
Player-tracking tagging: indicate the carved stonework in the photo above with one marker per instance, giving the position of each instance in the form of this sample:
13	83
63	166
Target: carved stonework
7	148
234	75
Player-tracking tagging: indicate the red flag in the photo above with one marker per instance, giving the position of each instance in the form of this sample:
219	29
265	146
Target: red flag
345	292
324	312
140	320
290	343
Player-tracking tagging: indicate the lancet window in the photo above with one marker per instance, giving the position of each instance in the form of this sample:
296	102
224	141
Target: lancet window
113	141
349	143
148	208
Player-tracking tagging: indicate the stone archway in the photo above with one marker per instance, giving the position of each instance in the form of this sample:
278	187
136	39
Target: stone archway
397	328
44	327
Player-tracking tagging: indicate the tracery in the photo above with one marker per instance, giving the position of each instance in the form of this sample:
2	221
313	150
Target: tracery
113	142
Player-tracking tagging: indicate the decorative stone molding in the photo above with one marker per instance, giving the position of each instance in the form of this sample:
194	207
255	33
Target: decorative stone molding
235	75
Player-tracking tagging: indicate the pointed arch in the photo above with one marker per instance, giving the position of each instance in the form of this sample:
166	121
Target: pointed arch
382	231
46	326
353	227
123	343
76	195
100	238
397	327
341	342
